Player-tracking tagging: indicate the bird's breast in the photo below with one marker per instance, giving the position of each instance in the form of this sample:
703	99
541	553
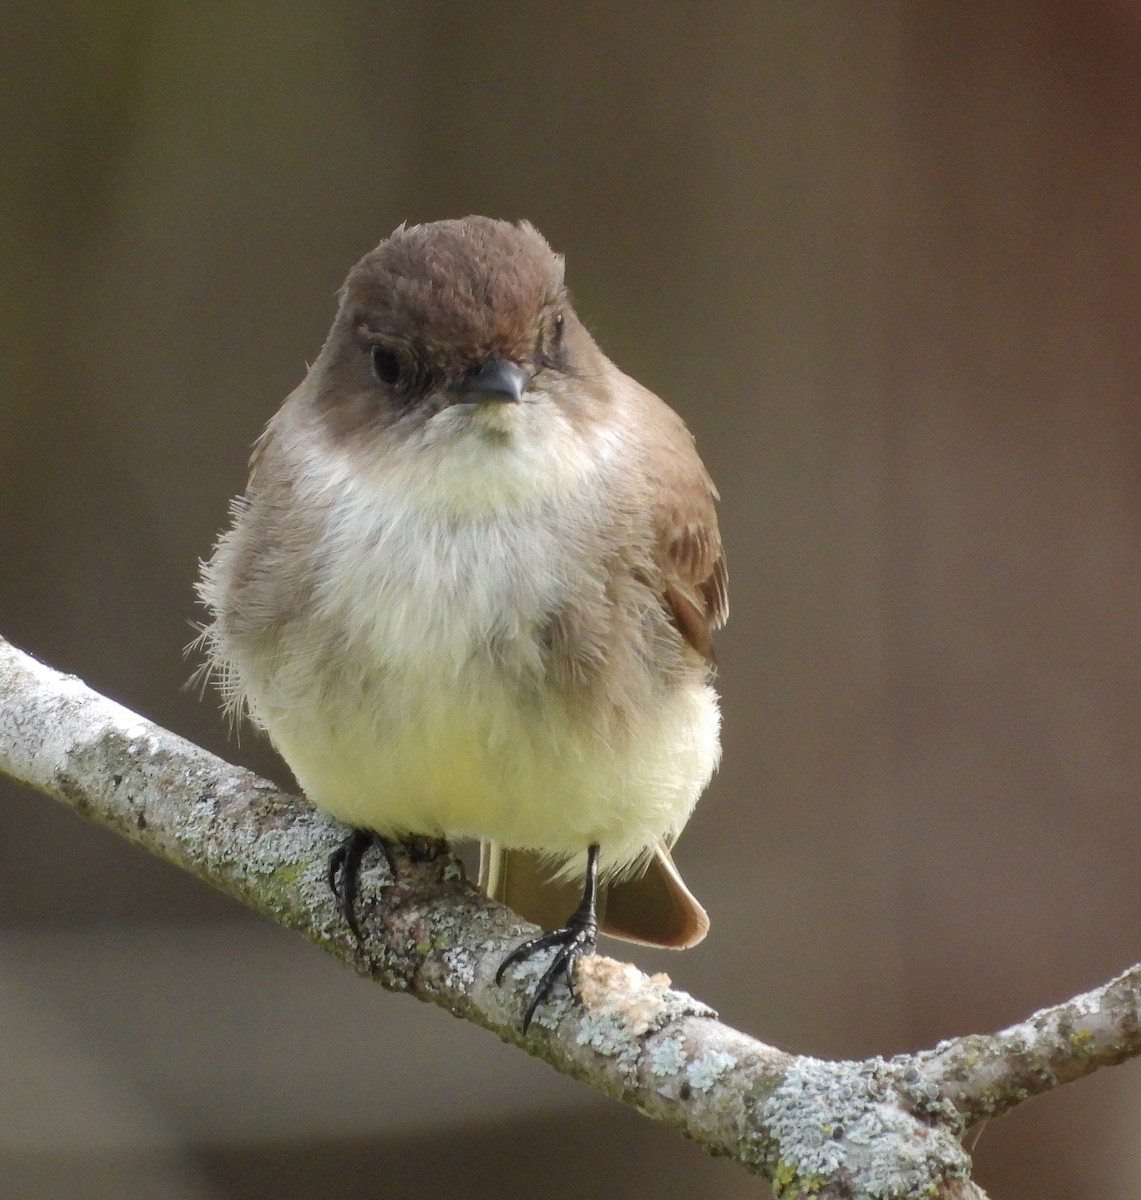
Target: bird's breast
421	589
430	684
463	545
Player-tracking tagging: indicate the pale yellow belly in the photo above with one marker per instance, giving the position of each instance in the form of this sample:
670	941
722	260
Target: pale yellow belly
477	764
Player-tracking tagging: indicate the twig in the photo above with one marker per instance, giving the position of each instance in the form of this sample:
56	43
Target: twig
872	1130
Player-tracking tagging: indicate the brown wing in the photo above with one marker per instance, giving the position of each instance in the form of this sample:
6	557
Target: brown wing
695	578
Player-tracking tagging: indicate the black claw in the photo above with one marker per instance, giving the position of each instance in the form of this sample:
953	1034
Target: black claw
344	870
576	938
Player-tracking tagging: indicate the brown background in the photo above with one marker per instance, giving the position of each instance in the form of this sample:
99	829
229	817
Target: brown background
886	260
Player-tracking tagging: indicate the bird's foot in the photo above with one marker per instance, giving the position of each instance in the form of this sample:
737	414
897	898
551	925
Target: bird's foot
344	870
576	938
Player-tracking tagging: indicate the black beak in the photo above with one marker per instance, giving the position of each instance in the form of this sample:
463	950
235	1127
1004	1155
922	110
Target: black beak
497	379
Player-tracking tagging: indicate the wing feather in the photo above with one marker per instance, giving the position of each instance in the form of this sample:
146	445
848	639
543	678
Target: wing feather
689	554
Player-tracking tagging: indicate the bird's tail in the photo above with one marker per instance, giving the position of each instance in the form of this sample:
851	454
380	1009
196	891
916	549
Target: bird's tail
654	909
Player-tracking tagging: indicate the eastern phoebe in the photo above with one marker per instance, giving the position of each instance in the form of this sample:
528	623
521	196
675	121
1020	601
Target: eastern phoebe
470	589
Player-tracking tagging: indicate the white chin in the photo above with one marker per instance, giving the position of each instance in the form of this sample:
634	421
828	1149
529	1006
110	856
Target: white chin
496	414
494	455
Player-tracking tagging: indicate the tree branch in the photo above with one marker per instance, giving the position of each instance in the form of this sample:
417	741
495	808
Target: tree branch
872	1130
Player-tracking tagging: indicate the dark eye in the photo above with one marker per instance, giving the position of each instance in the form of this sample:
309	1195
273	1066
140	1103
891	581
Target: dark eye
558	331
385	364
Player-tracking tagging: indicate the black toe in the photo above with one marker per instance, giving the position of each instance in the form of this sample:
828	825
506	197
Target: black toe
344	871
576	938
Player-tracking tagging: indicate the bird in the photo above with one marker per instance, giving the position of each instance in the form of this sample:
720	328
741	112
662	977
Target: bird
470	591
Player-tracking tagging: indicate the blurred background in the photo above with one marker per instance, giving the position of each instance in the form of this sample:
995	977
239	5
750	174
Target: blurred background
885	259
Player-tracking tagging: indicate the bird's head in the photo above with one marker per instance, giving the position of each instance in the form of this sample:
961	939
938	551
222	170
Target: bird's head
460	324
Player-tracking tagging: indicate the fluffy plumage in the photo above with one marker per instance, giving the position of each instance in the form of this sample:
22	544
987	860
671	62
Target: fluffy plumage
485	619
